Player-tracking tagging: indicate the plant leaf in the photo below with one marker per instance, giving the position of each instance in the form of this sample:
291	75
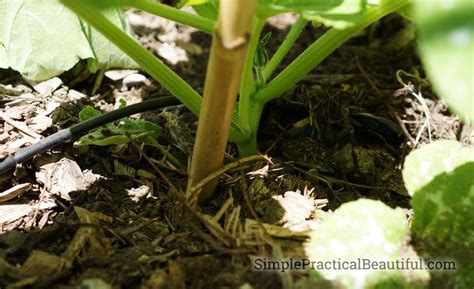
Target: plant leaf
421	168
340	16
41	38
406	11
364	230
88	112
208	10
191	2
106	54
336	13
110	134
139	126
446	45
309	5
98	138
443	203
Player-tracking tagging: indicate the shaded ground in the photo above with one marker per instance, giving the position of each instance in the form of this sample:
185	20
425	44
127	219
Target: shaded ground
337	136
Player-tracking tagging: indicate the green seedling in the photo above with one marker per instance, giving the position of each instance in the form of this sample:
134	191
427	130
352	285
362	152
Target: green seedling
126	131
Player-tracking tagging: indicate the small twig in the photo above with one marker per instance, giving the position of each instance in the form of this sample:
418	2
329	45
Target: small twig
249	204
402	126
222	210
426	110
129	230
329	180
118	236
409	89
208	239
279	137
38	205
169	223
166	153
165	166
384	140
193	191
367	76
162	175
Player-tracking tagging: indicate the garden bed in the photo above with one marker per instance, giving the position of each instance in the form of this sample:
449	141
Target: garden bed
132	228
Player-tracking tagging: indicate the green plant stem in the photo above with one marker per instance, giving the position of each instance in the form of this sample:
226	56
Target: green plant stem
247	83
248	146
260	79
302	65
165	152
98	80
157	69
165	11
223	76
320	49
284	47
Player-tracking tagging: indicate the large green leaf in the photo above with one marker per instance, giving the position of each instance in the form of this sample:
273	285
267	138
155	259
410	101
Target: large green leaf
362	232
192	2
440	157
446	44
341	16
42	39
440	177
208	10
337	13
107	55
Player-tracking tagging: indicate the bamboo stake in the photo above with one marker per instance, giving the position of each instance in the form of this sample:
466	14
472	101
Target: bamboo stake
224	70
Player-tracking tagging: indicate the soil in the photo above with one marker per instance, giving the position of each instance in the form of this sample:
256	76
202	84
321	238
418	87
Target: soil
340	134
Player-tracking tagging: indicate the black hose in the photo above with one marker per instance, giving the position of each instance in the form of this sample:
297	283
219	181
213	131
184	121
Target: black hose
82	128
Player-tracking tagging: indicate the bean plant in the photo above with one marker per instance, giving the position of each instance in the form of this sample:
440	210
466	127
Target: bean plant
259	84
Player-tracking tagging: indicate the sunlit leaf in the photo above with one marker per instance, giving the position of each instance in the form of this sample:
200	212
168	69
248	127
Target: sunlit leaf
337	13
439	177
106	54
363	230
446	44
208	10
42	39
191	2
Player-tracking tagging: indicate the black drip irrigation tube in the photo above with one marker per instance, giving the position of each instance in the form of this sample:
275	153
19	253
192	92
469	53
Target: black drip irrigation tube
82	128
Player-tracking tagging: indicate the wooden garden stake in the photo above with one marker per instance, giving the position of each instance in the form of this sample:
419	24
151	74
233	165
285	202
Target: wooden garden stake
224	70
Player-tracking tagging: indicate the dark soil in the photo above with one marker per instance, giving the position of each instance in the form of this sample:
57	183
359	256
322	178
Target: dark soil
352	146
